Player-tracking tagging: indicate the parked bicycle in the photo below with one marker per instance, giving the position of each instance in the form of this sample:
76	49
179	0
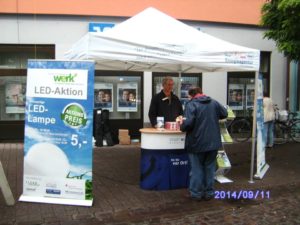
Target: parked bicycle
286	127
240	128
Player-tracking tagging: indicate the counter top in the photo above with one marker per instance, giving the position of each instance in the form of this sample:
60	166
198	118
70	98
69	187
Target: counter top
161	131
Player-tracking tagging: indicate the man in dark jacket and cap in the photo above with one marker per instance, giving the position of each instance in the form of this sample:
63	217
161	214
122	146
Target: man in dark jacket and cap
203	140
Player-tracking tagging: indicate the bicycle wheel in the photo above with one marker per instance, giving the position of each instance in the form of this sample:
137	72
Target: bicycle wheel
295	131
280	133
240	130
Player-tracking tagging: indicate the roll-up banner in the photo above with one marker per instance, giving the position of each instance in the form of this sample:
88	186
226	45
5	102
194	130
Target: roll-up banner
261	164
58	132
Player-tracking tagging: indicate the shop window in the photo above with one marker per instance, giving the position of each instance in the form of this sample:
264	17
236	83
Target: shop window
241	87
12	97
186	81
13	64
16	56
120	93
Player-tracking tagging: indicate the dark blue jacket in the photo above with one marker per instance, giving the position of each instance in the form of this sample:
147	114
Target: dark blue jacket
202	124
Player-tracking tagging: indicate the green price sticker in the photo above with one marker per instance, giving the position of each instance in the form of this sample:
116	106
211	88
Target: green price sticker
74	115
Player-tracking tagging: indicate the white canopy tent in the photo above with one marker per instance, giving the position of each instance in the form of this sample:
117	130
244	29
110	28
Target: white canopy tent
154	41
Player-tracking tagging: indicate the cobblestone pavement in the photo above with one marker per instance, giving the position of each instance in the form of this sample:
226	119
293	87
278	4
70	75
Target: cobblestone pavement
281	208
119	200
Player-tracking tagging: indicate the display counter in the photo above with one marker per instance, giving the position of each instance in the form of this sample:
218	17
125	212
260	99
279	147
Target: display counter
164	162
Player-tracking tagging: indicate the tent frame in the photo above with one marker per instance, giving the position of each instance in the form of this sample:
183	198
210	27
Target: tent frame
163	44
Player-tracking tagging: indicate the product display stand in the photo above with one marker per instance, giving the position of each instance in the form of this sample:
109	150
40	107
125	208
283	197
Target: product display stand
164	162
223	162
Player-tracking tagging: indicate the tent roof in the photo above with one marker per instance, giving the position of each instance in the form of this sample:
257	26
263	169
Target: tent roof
154	41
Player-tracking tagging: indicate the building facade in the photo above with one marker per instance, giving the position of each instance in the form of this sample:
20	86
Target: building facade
47	29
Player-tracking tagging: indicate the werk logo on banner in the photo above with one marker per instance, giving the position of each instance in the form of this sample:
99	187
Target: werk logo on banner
69	78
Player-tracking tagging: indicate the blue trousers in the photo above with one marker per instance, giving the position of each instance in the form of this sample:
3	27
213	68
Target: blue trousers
203	167
269	133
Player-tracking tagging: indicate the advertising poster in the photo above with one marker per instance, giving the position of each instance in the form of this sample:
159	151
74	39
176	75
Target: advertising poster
127	97
223	160
58	132
261	166
103	93
250	92
223	167
236	96
184	93
15	97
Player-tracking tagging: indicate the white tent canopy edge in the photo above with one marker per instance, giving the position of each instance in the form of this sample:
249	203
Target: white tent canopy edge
154	41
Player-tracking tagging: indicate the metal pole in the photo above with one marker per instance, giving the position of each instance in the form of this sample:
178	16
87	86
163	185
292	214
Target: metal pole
179	84
254	129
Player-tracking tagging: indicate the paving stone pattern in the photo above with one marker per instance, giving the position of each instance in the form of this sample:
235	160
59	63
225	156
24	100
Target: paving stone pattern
119	200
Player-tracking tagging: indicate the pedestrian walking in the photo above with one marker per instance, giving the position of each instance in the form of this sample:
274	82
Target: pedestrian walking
203	139
269	118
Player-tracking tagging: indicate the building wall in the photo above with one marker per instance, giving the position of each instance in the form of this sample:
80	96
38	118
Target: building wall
215	85
228	11
63	31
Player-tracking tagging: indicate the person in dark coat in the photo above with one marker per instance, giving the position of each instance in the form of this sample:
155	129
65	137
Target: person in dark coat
203	140
165	104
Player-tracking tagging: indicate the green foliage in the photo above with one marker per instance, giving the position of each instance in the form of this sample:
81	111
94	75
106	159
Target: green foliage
282	19
88	190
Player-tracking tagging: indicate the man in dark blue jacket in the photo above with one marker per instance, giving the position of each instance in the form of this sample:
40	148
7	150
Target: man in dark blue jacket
203	139
165	104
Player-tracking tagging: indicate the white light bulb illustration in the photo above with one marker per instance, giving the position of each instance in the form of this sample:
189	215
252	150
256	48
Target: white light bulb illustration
46	159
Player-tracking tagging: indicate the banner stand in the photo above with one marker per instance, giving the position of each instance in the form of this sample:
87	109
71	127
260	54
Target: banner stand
262	172
37	199
261	164
58	144
4	186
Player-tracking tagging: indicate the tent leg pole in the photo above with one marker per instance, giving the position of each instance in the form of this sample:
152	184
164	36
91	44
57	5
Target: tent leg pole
179	84
254	130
